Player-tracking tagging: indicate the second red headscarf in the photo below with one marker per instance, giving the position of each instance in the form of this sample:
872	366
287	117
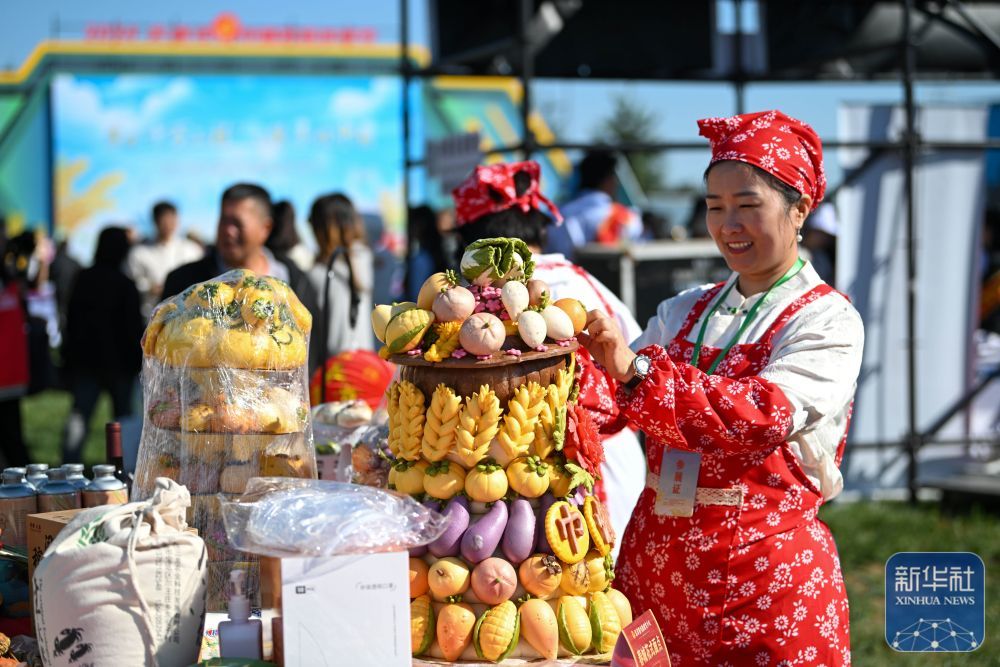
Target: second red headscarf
490	189
784	147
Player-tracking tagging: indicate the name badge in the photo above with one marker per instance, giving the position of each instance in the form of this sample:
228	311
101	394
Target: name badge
678	483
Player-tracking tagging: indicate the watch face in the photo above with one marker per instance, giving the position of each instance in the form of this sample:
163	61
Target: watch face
642	365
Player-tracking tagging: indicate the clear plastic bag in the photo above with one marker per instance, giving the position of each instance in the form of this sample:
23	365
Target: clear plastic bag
370	458
225	399
302	517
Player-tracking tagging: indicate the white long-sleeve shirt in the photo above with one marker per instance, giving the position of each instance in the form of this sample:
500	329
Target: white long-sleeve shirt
815	360
149	264
624	467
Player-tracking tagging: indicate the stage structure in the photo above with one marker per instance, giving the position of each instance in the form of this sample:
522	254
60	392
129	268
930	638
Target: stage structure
848	40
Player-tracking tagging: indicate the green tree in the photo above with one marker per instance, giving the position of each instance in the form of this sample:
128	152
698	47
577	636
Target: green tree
630	123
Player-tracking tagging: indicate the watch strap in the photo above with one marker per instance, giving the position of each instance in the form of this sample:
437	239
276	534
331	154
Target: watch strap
638	377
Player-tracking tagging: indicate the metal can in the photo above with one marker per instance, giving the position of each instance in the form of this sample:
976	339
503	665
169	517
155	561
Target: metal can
36	474
57	494
74	475
17	501
106	489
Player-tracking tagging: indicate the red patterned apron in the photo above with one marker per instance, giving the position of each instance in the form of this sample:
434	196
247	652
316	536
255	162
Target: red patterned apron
756	583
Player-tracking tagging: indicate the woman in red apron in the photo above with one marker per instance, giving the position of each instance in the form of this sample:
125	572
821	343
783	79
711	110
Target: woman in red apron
744	389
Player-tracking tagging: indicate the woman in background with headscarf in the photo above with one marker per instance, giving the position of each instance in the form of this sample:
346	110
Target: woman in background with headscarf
505	200
745	390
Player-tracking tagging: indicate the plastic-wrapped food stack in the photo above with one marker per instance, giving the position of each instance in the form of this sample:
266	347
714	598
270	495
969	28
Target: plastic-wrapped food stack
483	425
226	399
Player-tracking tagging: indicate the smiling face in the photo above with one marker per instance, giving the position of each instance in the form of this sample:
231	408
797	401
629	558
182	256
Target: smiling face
243	229
752	223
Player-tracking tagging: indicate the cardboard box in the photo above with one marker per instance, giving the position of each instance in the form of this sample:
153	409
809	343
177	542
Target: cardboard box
42	530
350	611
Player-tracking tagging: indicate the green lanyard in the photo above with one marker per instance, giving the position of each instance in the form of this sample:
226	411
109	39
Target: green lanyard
696	355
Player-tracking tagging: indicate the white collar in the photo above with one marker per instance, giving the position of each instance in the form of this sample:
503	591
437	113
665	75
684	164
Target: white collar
802	280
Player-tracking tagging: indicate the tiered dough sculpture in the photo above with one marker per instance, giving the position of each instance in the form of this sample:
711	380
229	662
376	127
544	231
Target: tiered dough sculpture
224	384
478	429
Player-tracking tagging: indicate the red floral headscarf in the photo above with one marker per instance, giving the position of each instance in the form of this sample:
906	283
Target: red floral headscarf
780	145
473	199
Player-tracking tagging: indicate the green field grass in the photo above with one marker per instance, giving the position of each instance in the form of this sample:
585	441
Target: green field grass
44	416
867	534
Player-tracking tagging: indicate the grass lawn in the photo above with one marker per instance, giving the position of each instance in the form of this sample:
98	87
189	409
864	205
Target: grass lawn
44	416
867	534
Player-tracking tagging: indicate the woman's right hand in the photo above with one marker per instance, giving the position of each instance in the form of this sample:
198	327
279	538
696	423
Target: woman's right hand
604	340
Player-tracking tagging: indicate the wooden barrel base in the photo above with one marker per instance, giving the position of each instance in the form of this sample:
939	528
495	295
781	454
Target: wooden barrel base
503	373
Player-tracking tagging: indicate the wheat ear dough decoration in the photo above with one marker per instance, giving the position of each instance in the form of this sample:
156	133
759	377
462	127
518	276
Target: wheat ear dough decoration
411	408
441	424
395	434
519	423
544	442
478	424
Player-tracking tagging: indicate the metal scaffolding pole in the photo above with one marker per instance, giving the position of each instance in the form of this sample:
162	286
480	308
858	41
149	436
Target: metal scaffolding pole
910	148
527	73
739	79
407	74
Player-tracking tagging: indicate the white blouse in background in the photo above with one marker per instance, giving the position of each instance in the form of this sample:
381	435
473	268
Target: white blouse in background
815	360
624	467
341	335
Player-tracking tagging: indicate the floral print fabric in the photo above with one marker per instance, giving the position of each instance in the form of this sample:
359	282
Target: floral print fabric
758	584
780	145
490	189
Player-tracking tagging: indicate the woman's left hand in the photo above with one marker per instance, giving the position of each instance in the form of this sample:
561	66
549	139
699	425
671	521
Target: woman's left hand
605	342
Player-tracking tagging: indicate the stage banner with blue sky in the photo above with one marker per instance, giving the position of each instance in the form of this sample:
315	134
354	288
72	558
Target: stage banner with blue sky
122	142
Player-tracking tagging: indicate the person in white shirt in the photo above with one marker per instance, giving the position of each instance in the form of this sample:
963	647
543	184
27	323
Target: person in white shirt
593	216
342	276
149	263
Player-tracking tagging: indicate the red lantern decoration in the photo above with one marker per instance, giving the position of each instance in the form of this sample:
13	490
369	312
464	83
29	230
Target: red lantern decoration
353	375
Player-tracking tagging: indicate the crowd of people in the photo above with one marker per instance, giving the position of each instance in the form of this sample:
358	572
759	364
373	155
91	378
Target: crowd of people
82	325
744	389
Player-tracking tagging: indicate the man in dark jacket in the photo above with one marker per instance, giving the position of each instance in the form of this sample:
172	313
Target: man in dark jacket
244	225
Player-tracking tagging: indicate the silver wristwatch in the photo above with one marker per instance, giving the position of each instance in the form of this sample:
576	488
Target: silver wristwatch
640	364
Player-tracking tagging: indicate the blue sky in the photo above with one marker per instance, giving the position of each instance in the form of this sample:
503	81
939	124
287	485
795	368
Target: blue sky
574	108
